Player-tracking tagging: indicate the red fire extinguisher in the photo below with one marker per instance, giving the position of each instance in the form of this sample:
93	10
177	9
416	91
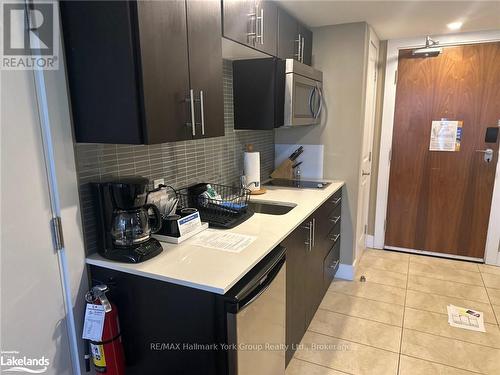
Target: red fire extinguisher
107	354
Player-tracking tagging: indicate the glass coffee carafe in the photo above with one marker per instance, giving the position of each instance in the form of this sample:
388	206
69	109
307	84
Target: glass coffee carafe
133	227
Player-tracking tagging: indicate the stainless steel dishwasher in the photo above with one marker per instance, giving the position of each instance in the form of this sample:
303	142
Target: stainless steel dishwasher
255	312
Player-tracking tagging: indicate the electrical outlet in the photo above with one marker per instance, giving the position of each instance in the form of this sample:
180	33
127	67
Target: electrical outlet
158	182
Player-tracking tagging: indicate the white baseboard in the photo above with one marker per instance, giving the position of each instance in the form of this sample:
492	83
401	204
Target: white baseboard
345	271
369	241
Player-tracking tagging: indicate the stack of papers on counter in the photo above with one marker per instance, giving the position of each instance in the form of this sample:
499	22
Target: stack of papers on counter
461	317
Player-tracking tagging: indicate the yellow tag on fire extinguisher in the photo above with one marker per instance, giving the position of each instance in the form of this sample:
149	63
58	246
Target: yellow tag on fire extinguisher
98	357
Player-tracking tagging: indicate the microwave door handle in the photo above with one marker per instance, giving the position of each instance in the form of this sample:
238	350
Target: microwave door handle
311	96
320	108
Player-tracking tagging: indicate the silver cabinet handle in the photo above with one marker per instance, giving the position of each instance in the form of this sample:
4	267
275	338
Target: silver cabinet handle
260	19
302	51
191	100
299	46
253	20
202	108
334	265
335	220
310	239
336	201
335	238
314	232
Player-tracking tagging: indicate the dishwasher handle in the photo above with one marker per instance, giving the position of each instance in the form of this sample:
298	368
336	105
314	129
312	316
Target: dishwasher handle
258	283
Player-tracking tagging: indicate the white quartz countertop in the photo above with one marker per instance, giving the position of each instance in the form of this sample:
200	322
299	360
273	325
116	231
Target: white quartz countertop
217	270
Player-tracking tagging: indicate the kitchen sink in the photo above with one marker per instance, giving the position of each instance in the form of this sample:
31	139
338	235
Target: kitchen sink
271	208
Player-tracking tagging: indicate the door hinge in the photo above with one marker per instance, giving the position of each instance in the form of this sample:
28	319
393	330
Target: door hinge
366	228
370	156
396	77
390	155
57	233
385	224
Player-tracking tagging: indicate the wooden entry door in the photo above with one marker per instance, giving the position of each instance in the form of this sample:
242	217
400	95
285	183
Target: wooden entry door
440	201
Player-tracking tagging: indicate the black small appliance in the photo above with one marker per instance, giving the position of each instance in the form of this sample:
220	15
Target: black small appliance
124	227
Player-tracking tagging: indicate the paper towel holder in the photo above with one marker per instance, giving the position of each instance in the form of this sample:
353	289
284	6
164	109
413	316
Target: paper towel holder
260	190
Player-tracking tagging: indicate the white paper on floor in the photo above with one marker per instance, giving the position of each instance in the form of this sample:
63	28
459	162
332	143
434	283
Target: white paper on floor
462	317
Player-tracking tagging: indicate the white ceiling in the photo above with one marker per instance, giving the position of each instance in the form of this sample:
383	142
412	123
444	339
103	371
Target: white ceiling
399	19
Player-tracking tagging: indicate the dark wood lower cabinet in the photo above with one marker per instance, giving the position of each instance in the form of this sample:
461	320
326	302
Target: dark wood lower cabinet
313	255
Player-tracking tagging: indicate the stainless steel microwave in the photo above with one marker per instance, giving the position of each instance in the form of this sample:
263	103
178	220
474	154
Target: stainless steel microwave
303	100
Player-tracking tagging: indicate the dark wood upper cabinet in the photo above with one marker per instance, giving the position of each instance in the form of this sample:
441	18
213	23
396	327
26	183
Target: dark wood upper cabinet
251	22
163	69
288	45
131	66
238	22
205	66
294	39
267	23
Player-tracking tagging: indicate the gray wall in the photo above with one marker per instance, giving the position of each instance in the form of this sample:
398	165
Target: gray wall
218	160
339	51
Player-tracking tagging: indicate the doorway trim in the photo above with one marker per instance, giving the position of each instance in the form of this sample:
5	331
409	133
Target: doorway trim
491	255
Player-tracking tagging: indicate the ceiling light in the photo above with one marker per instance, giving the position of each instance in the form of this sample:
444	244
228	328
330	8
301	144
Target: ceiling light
455	25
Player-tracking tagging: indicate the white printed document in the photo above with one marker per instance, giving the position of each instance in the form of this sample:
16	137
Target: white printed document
462	317
221	240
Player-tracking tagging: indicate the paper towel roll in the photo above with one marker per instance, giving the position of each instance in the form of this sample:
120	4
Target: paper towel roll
251	168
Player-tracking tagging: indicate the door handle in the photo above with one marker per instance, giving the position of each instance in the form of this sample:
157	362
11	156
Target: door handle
335	238
299	47
488	154
302	51
335	220
310	239
320	107
252	26
314	232
336	201
260	19
363	173
191	101
335	264
202	108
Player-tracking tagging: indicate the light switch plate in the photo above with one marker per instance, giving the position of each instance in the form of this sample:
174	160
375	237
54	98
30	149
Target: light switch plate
158	182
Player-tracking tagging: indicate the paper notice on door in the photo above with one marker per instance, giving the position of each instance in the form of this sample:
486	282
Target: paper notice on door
220	240
462	317
446	135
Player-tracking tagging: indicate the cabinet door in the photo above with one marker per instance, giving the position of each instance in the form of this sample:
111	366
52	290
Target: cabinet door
296	288
102	73
287	36
165	72
267	27
307	39
205	66
239	21
314	279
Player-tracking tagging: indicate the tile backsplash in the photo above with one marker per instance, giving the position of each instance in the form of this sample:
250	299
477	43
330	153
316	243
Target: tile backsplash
218	160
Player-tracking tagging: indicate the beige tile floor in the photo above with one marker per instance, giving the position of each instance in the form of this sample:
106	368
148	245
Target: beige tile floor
395	323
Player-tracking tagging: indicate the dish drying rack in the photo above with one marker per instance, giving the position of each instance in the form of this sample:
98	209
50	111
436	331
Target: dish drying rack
226	210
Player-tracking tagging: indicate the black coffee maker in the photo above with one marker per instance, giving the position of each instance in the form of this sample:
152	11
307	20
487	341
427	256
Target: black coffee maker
124	226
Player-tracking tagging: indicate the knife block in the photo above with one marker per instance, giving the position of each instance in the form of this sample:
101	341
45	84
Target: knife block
284	170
